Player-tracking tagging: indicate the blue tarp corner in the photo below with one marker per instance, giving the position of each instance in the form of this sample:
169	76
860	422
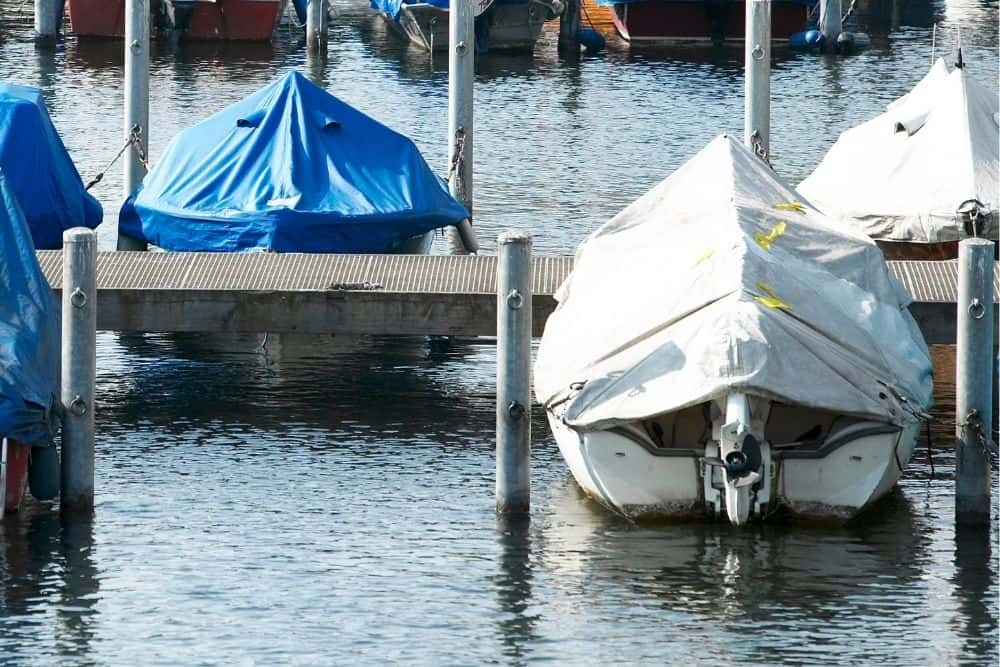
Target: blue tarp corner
29	332
39	170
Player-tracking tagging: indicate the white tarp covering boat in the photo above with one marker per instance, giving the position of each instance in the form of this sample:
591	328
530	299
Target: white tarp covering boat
905	175
723	292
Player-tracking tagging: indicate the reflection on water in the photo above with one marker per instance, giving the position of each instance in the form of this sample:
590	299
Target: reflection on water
332	501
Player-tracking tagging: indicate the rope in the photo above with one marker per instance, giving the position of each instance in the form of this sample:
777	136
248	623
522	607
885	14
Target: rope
459	152
850	10
758	147
930	458
586	14
974	423
133	140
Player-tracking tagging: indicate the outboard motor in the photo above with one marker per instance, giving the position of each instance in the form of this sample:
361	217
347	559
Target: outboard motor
743	459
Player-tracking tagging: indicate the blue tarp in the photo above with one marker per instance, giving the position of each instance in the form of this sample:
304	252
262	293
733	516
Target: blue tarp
39	170
290	169
392	7
29	332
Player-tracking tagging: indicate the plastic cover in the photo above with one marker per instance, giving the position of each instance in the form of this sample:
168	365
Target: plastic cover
39	170
720	279
29	332
392	7
290	169
902	175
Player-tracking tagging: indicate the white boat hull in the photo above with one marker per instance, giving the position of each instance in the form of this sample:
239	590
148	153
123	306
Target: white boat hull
838	481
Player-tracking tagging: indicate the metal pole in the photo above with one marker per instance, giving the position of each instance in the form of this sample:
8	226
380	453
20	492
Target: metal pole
316	26
79	367
831	22
514	303
136	102
461	69
757	82
974	381
569	25
48	17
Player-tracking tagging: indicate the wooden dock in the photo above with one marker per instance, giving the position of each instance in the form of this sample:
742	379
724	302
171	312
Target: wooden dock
370	294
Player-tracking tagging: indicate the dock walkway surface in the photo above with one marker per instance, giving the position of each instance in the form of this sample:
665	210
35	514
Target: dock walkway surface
371	294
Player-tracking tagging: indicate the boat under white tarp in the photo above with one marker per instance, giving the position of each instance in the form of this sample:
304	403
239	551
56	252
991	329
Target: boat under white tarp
915	172
721	282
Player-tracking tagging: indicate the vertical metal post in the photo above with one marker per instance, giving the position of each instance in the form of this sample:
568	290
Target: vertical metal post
316	26
514	303
48	17
757	81
974	381
461	70
569	25
136	102
831	22
79	367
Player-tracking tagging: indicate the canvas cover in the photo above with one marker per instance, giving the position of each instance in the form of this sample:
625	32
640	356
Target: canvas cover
902	175
29	332
392	7
290	168
39	170
721	279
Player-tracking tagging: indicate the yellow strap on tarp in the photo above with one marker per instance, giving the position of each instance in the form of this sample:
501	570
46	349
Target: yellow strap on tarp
704	257
772	300
766	240
790	206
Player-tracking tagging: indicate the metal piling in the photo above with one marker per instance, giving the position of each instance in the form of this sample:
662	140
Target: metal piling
79	367
974	382
513	417
136	103
48	17
317	30
757	81
461	70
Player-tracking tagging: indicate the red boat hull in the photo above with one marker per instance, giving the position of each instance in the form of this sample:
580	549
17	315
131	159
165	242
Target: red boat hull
684	20
96	18
18	456
247	20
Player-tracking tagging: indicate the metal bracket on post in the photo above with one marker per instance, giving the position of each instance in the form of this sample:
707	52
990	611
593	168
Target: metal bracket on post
513	410
79	367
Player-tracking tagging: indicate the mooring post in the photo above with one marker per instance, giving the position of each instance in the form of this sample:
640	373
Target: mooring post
316	26
974	382
757	78
79	367
514	305
461	70
136	103
569	26
831	22
48	18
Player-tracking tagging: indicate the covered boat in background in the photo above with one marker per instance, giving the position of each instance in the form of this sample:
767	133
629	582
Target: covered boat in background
29	353
921	176
501	25
723	347
290	168
39	171
671	21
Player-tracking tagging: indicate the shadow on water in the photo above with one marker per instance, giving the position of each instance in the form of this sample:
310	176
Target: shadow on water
513	583
47	575
976	620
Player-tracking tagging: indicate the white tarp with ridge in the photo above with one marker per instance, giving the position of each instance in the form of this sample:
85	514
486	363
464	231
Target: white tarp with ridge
903	175
722	279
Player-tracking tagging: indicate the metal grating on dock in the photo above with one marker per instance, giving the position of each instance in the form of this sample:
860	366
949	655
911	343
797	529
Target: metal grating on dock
376	294
926	281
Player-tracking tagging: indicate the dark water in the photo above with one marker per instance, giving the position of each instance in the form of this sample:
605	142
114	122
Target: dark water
312	507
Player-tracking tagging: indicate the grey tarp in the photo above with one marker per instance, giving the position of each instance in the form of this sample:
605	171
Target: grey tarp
902	175
720	278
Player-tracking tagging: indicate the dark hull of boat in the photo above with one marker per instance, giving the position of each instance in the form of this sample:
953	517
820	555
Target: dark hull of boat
668	21
239	20
899	251
16	474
